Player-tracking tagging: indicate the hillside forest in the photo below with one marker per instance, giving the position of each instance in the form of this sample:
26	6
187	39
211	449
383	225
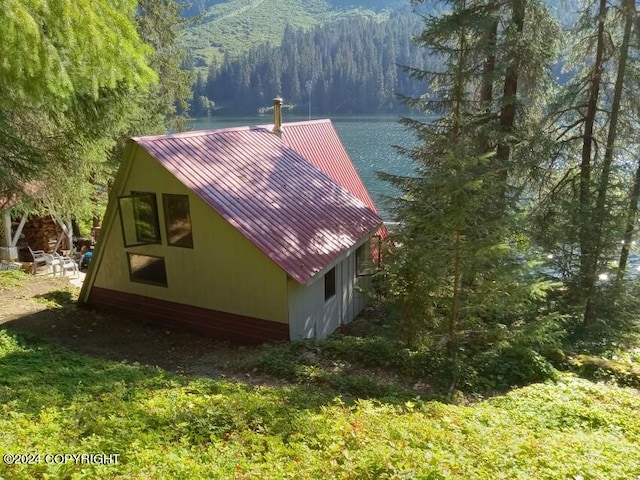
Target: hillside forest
350	66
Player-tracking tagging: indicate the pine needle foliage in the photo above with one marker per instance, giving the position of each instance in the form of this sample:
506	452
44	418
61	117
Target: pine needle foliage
67	107
459	274
46	54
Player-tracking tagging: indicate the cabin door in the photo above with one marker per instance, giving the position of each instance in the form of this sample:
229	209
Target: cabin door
331	316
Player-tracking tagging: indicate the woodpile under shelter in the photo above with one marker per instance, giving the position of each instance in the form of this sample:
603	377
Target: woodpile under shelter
19	229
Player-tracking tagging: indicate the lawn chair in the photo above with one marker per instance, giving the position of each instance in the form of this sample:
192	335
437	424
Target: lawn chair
64	263
40	260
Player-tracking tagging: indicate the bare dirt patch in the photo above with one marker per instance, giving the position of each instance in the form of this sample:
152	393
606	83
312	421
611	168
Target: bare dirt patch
19	301
46	308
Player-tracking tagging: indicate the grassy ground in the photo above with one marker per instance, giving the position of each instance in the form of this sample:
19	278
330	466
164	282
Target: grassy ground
314	414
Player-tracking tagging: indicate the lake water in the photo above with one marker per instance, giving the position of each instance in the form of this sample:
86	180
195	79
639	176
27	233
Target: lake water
369	140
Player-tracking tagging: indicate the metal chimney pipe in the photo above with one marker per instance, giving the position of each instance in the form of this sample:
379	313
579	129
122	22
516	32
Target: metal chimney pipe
277	116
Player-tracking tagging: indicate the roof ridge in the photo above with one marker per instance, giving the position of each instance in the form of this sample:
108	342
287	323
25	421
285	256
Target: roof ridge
196	133
296	124
201	133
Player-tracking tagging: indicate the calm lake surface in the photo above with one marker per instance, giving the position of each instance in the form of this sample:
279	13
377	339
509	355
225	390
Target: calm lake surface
369	141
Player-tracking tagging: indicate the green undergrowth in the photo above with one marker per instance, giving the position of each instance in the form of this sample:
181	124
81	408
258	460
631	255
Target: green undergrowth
167	426
12	279
623	369
377	354
58	298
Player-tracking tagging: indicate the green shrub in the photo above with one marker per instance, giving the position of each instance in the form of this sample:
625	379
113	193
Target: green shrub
374	351
514	365
279	362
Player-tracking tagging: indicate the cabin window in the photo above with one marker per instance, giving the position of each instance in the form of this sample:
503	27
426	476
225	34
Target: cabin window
368	256
364	265
330	284
177	219
147	269
139	219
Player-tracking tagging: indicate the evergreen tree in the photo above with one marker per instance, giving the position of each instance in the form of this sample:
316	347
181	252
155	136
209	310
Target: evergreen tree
65	122
159	23
460	268
351	65
46	68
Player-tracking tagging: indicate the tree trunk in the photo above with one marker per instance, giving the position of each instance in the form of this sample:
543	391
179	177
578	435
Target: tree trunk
632	213
453	312
603	184
587	268
489	66
508	109
488	75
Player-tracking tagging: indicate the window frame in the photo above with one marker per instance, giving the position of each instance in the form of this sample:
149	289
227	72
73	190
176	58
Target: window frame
165	198
330	284
133	279
139	239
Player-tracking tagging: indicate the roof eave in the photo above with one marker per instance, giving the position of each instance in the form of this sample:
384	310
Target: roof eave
344	254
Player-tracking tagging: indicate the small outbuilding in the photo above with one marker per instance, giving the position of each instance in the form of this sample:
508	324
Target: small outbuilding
235	233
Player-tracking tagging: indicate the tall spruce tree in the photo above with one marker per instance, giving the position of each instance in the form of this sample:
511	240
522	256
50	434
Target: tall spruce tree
460	268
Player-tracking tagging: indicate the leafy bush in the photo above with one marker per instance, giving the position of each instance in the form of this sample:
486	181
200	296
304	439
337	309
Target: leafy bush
374	351
279	362
515	365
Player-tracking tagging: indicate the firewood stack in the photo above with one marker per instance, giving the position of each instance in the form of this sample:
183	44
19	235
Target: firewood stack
40	233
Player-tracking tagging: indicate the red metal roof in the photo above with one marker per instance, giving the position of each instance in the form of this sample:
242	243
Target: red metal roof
318	142
289	209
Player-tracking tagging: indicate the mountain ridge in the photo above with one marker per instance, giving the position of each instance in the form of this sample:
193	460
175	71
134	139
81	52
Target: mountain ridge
232	27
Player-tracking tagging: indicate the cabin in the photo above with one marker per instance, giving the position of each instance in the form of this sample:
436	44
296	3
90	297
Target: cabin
233	233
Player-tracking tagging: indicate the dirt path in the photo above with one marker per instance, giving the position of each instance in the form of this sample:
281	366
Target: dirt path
46	308
24	300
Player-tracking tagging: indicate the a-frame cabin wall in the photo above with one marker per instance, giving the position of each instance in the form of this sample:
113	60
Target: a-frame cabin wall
223	281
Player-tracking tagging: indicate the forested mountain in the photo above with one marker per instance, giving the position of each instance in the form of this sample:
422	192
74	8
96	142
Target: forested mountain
233	26
349	66
342	56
